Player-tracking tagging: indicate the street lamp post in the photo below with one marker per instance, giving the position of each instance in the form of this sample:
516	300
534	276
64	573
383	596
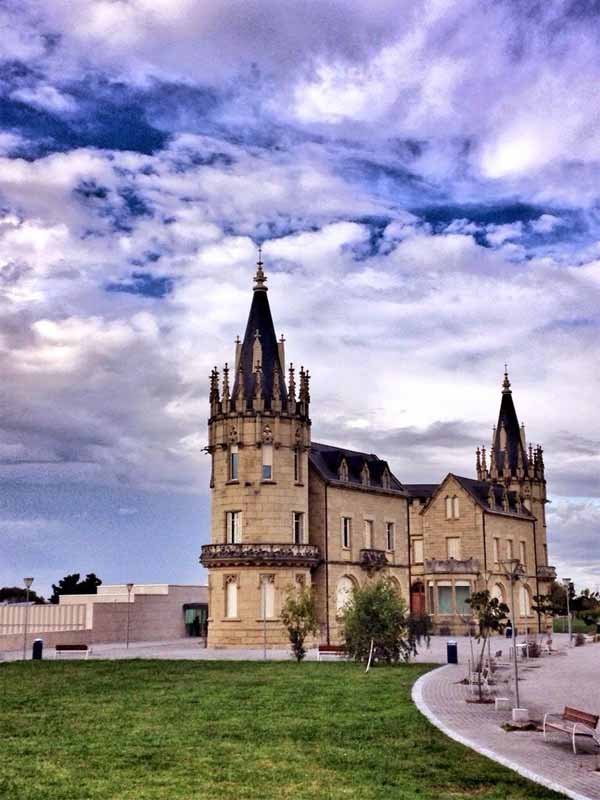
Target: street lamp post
567	585
129	588
264	611
514	571
27	582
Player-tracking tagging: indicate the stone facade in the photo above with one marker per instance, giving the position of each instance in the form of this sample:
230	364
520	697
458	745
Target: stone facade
289	512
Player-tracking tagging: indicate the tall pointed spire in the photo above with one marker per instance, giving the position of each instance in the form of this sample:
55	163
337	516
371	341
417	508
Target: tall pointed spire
506	383
259	346
508	451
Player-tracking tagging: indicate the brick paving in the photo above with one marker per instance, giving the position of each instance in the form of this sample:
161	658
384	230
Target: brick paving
547	685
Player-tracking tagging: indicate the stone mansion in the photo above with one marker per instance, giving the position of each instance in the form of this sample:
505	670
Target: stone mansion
288	511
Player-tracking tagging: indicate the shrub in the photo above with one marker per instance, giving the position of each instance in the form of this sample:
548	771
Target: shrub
300	618
377	614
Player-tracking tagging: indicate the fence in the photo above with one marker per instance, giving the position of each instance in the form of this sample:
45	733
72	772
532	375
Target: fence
44	618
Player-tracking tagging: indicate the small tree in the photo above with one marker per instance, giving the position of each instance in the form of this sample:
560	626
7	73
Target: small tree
420	627
376	614
491	615
299	616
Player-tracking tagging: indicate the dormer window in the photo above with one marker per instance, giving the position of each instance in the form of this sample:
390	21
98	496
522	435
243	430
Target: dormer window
343	471
365	476
386	481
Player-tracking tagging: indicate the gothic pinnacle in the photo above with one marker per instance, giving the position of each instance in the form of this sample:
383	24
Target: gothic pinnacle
506	383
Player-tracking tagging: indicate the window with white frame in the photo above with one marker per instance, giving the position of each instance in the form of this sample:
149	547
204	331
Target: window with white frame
417	551
343	595
445	598
233	524
523	553
462	592
267	596
346	532
231	597
448	508
233	462
390	535
267	462
298	527
455	507
453	547
368	534
524	601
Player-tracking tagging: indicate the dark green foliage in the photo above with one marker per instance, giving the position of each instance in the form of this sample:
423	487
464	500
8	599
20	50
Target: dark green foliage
71	584
420	627
17	594
299	616
376	613
187	730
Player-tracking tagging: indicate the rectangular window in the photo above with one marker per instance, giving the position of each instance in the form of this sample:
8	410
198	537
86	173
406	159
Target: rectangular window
267	462
445	599
453	547
231	598
455	508
267	597
431	609
448	508
496	550
233	462
462	593
417	551
233	534
509	549
368	534
297	465
390	536
298	525
346	532
523	553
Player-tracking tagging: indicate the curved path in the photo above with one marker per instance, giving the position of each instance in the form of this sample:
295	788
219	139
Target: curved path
547	684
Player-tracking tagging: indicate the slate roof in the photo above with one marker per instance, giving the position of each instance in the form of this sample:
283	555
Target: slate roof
422	491
326	459
508	418
479	491
260	319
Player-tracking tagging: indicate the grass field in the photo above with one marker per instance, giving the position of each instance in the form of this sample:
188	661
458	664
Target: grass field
204	730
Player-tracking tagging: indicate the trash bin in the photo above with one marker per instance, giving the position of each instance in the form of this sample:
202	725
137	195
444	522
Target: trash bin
452	651
37	650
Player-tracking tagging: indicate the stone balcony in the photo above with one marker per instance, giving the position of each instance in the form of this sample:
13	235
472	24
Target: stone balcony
373	559
261	555
452	566
546	573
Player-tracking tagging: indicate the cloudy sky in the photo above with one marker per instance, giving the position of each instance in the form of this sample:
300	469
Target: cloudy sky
425	180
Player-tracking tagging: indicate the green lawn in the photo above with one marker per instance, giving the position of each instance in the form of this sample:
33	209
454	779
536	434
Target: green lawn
203	730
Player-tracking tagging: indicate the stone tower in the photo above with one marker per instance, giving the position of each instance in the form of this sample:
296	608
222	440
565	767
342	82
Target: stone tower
519	468
259	438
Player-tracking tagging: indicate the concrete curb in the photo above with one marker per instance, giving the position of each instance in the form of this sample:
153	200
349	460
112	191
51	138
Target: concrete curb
417	697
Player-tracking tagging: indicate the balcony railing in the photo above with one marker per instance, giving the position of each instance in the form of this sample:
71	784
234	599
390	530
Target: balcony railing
223	555
373	559
546	573
451	566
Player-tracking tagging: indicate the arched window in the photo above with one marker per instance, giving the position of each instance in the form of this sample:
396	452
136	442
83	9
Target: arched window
525	601
344	591
365	476
385	479
267	596
343	471
455	507
498	592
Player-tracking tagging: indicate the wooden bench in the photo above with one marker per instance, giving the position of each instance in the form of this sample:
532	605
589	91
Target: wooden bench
332	650
574	723
65	650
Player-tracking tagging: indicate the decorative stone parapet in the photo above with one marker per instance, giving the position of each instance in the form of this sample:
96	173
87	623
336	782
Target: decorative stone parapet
452	566
226	555
373	559
546	573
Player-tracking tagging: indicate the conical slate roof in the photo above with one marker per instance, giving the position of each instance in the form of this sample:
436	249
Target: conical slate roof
508	420
259	322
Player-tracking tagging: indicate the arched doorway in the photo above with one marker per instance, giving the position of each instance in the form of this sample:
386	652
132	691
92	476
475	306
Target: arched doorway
417	598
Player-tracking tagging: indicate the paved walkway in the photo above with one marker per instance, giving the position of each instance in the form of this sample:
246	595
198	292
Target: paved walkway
547	684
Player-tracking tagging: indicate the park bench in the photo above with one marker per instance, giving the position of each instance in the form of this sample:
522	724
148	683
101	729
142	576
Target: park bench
66	650
336	650
574	723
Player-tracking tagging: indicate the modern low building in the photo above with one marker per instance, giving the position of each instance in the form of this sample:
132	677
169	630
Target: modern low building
149	612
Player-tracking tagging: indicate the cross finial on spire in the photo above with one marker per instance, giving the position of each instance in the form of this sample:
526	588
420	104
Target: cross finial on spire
506	382
260	278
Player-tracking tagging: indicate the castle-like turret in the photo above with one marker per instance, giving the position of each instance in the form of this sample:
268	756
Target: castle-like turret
259	437
517	468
